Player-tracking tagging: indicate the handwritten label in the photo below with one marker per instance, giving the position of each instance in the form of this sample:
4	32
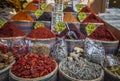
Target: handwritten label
60	26
1	23
38	24
79	7
82	15
38	13
43	6
90	28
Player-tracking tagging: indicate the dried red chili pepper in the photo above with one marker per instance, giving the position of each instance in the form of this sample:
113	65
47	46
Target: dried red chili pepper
101	33
92	18
41	33
10	30
33	66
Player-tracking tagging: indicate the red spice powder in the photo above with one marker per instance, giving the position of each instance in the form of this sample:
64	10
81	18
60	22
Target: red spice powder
10	30
33	66
101	33
41	33
92	18
86	9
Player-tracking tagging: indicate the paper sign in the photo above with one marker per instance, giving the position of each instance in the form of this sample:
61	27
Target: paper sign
38	13
1	23
90	28
43	6
82	15
39	24
79	7
60	26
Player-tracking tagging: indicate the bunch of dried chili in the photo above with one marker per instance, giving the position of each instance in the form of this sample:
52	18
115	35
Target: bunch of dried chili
86	9
92	18
41	33
74	29
33	66
10	30
101	33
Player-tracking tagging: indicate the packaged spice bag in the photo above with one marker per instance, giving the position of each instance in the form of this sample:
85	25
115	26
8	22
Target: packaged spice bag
59	50
94	51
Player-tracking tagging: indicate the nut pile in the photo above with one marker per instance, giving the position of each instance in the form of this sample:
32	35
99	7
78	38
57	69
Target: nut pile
39	49
79	68
5	59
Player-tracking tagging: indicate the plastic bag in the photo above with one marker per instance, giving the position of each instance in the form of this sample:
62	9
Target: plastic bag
111	61
94	51
59	50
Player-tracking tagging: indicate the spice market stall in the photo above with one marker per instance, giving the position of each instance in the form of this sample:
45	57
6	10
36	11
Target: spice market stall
58	41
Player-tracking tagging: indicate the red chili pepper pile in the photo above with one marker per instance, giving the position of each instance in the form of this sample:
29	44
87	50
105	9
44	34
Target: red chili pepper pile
92	18
101	33
86	10
10	30
33	66
41	33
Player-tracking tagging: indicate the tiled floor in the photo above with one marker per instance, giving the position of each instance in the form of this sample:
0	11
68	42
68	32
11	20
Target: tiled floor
112	16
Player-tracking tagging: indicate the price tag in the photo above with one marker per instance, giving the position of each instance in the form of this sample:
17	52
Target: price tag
43	6
39	24
38	13
90	28
1	23
82	15
60	26
79	7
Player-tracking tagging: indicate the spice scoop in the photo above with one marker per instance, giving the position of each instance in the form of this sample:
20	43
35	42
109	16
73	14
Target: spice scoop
71	34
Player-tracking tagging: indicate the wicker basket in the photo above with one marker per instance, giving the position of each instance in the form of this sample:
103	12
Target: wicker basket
50	77
25	26
110	76
4	74
65	77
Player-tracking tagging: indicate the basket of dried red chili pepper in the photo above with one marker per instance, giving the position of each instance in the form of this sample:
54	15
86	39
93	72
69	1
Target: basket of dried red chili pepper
109	41
34	67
